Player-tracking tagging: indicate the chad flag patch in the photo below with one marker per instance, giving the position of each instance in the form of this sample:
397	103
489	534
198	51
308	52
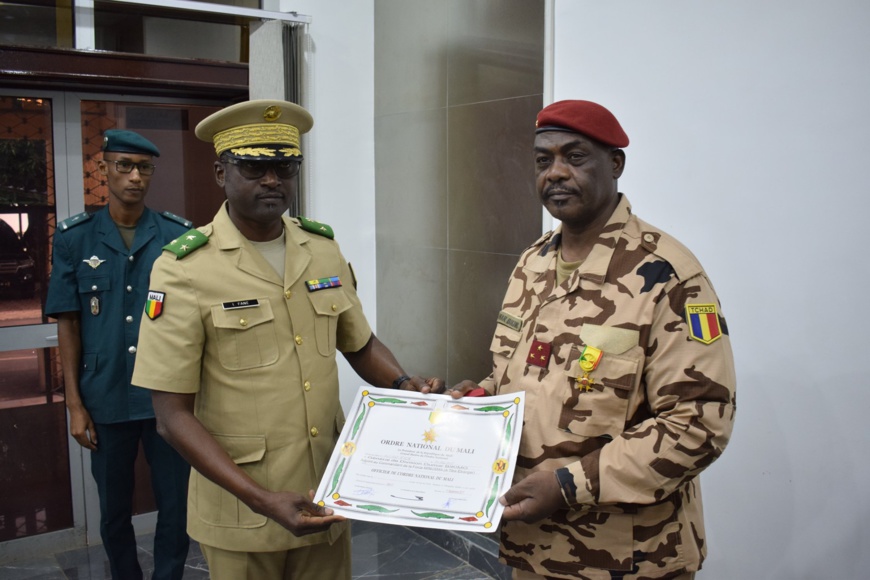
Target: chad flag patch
154	304
703	321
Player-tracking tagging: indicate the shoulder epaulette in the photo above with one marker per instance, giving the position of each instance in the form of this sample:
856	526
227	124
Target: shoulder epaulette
177	218
186	243
73	221
681	259
316	227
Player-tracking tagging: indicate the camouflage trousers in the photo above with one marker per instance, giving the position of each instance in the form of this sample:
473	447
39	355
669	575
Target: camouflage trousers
523	575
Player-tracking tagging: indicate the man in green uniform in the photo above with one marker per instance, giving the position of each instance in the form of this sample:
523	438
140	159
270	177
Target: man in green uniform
99	279
615	334
239	348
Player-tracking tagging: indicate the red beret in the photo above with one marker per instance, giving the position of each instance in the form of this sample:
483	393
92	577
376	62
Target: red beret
585	117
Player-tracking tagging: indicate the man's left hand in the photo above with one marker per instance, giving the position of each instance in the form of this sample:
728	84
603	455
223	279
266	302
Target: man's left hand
533	498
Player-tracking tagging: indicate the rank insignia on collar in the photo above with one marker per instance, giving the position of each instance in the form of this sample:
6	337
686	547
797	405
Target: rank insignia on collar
588	362
321	283
703	322
94	262
154	304
539	354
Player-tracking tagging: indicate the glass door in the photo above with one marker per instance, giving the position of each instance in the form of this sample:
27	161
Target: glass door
36	494
49	145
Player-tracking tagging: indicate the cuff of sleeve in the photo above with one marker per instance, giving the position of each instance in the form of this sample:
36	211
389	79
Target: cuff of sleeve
488	385
576	488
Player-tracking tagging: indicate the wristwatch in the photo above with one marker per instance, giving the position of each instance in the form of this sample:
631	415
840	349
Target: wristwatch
397	384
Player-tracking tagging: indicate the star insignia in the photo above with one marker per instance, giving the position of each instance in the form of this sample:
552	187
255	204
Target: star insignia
191	237
185	247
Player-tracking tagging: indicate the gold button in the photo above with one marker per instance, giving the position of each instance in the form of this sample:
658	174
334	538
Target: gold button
243	322
298	339
314	431
334	307
287	294
306	385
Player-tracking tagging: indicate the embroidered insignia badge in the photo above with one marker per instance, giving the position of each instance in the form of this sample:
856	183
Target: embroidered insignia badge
703	322
95	305
154	304
321	283
588	362
94	262
539	354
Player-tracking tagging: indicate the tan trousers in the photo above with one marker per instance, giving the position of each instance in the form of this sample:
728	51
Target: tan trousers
523	575
317	562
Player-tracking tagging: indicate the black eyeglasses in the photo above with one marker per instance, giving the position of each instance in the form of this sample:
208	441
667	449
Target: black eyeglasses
124	166
250	169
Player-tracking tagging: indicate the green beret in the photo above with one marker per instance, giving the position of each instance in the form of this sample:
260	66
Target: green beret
121	141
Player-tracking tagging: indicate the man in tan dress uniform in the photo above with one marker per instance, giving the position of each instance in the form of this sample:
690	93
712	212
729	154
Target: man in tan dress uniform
616	335
238	344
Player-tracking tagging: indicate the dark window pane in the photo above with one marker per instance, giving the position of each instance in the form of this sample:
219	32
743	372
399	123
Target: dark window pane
35	490
37	23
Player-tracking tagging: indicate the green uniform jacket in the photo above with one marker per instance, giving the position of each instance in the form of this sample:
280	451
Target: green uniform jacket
94	274
259	352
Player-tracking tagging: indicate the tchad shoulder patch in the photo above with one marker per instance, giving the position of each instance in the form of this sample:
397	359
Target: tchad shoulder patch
73	221
186	243
316	227
177	218
703	322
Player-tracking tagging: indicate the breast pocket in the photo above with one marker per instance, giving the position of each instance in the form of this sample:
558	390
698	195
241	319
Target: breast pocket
246	337
596	404
327	305
218	507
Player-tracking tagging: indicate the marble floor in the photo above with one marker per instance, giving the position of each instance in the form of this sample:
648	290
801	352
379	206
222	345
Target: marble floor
380	552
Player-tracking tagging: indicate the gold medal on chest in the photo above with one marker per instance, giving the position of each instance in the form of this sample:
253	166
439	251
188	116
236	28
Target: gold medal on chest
589	359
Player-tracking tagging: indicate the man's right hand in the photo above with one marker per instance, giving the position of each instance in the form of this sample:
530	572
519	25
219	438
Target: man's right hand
81	427
466	388
299	515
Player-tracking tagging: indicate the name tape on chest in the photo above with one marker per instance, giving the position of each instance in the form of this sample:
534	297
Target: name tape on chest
249	303
511	321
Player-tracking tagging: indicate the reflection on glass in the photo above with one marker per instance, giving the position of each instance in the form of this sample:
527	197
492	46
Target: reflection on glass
27	208
35	491
37	24
183	182
159	31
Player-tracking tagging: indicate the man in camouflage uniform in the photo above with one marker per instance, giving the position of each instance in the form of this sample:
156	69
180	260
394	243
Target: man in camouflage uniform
614	332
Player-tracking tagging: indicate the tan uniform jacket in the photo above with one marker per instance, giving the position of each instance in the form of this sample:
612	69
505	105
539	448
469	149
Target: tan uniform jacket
259	353
659	407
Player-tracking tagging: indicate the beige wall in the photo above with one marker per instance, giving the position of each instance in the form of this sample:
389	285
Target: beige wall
457	87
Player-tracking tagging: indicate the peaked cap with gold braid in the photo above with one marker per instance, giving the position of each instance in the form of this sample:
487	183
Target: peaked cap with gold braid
258	130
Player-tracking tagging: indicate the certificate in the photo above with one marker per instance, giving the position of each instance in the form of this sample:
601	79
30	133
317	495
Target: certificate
430	461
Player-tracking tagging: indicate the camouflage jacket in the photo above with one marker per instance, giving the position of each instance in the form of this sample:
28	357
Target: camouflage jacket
630	386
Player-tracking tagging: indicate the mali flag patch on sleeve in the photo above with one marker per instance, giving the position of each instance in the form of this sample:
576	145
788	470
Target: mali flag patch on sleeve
703	321
154	304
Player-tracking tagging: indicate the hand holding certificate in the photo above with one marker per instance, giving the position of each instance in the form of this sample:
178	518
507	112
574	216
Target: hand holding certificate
413	459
